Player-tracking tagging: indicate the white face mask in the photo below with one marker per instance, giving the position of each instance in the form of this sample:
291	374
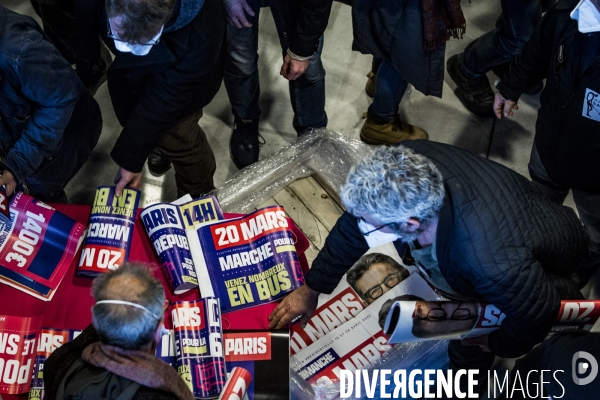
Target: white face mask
376	238
163	331
587	16
137	49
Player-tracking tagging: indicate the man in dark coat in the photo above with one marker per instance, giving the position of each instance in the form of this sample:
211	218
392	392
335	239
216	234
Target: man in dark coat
566	146
477	229
168	65
114	358
300	25
49	123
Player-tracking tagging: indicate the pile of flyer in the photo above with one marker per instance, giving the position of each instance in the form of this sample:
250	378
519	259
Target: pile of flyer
37	246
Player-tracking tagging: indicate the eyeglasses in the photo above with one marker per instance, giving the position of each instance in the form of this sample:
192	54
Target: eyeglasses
390	281
460	314
111	35
394	225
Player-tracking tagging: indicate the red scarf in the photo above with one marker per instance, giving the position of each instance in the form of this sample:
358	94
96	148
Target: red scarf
442	19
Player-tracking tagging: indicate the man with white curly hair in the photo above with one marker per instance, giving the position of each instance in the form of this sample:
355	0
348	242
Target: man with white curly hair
477	230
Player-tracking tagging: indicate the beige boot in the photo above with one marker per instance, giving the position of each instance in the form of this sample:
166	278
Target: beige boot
370	86
390	133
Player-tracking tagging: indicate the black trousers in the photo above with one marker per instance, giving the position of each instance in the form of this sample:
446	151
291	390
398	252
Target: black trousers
470	357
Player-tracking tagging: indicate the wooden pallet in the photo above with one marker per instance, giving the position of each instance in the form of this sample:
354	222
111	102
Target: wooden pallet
314	209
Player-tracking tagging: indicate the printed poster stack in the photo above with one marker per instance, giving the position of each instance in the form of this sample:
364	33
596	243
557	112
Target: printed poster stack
37	246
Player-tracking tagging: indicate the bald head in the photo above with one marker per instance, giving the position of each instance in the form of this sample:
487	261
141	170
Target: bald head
124	325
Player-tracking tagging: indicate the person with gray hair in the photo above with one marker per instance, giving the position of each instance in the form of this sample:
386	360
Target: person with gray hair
116	354
477	230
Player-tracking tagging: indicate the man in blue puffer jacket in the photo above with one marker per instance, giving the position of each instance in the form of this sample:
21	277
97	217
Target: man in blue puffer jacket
49	123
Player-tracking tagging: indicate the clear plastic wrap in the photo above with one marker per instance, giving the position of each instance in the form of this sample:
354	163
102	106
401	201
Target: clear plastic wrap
416	355
326	154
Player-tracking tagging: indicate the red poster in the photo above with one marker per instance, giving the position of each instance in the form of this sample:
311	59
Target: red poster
17	352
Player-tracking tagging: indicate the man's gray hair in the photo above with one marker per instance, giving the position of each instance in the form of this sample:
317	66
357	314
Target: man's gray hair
394	185
124	325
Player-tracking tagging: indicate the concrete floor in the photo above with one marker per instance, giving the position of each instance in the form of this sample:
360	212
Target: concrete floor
507	141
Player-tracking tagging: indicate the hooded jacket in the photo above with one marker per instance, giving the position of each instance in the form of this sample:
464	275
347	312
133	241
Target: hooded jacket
498	240
180	75
567	131
38	93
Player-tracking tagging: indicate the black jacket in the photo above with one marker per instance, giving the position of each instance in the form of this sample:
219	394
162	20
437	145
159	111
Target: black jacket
498	240
61	360
305	22
557	354
179	76
568	142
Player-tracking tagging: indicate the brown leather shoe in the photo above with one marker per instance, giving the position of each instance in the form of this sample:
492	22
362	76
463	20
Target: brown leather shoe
370	86
390	133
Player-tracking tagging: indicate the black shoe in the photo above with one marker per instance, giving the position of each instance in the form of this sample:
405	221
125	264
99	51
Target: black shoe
245	142
475	94
158	164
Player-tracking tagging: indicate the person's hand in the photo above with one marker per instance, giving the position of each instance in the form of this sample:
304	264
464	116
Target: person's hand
127	178
293	69
8	179
302	301
504	107
481	341
236	13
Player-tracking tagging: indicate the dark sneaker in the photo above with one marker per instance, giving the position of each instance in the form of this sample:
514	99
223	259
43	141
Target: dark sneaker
475	94
245	142
158	164
370	86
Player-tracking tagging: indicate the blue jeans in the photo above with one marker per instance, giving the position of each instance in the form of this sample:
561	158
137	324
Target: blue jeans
307	93
389	89
502	44
588	206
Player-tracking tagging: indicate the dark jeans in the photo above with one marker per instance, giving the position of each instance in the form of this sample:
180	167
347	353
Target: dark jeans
501	45
193	160
588	206
78	142
470	357
307	93
61	27
389	90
